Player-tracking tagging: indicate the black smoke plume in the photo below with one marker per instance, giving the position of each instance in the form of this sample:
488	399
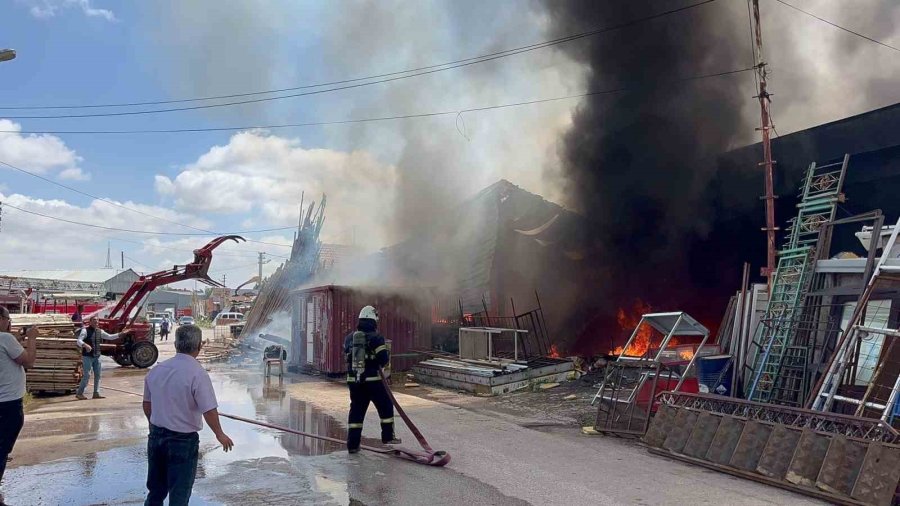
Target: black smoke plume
639	164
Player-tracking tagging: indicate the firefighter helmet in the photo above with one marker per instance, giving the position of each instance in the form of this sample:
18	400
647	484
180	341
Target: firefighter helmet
369	313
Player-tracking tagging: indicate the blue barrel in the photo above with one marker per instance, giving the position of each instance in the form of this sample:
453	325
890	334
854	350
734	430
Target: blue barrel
715	371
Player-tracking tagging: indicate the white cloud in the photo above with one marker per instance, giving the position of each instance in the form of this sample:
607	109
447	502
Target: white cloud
264	175
38	153
31	241
44	9
75	174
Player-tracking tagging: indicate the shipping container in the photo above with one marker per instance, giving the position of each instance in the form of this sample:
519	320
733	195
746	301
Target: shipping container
323	316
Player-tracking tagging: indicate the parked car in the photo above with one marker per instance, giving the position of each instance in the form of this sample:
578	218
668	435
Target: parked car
186	320
228	318
156	321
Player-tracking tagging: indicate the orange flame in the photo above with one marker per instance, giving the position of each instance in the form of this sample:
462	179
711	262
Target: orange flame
643	341
554	352
628	322
686	354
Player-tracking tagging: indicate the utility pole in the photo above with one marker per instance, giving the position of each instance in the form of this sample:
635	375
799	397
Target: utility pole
261	255
768	163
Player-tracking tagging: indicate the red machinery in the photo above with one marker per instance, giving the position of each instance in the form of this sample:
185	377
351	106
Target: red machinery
138	349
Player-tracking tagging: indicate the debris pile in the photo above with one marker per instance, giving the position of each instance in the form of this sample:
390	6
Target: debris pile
301	265
490	377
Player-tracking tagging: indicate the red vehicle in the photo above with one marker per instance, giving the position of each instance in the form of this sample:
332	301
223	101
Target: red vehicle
137	349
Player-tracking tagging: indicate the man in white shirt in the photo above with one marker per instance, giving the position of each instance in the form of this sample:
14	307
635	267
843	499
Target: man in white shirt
178	396
89	340
14	359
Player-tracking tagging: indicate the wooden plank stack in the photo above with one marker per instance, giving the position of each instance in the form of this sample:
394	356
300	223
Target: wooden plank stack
57	367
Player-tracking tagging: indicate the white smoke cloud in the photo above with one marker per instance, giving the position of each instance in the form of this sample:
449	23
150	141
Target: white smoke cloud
264	175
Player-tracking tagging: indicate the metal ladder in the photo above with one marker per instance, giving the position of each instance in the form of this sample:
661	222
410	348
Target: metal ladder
843	355
772	351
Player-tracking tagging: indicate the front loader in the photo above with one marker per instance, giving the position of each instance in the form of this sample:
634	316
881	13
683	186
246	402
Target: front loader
137	349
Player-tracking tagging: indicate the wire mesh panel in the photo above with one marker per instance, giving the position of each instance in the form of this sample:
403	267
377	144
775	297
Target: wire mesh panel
626	397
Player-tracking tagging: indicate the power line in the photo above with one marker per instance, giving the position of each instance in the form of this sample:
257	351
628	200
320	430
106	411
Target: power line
11	166
373	119
135	261
132	231
243	266
107	201
428	70
160	246
413	73
870	39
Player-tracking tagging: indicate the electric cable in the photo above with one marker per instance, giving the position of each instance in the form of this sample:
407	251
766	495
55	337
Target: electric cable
373	78
107	201
132	231
870	39
377	118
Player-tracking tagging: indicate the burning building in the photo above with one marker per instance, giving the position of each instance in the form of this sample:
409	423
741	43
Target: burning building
501	253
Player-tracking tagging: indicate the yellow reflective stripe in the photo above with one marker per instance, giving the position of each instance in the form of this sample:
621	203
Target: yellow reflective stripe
387	420
355	426
380	349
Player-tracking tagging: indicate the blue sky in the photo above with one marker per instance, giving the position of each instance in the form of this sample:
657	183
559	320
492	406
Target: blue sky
96	51
383	179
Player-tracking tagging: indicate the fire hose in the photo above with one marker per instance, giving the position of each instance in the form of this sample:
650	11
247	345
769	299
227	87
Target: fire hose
429	457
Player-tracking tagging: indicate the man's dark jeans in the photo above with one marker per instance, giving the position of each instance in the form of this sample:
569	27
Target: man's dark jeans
172	458
12	417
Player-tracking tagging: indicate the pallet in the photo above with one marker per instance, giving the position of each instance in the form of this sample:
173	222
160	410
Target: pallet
57	366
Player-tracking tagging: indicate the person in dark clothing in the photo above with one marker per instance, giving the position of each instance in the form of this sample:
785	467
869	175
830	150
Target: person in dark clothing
89	340
366	353
164	329
76	316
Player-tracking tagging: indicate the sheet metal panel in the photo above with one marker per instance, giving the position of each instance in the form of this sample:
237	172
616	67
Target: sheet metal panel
779	452
701	438
808	457
680	430
879	475
751	445
841	465
726	439
660	426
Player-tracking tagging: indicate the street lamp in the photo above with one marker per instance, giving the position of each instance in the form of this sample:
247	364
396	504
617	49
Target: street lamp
7	54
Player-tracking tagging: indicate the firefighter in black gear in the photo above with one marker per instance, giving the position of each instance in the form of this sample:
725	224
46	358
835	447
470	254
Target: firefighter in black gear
366	353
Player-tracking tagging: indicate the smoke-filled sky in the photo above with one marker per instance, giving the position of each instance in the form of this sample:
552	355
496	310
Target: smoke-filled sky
386	179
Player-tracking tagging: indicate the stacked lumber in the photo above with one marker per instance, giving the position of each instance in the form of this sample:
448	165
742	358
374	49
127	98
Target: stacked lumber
57	367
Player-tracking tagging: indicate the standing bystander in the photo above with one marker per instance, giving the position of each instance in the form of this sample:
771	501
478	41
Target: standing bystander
89	341
178	396
164	329
14	359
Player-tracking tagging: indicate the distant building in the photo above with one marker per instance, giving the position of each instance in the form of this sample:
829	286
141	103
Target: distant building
36	290
105	282
166	298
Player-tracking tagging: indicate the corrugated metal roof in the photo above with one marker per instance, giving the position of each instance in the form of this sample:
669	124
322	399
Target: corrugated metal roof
84	275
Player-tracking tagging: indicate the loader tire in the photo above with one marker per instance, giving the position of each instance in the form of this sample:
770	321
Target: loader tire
123	359
144	354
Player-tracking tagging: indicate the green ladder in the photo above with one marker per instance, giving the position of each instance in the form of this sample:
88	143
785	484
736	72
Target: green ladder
778	368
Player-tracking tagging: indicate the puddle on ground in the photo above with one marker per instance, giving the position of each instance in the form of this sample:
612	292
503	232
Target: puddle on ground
117	476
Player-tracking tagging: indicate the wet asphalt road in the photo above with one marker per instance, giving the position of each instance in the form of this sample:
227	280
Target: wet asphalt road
93	452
